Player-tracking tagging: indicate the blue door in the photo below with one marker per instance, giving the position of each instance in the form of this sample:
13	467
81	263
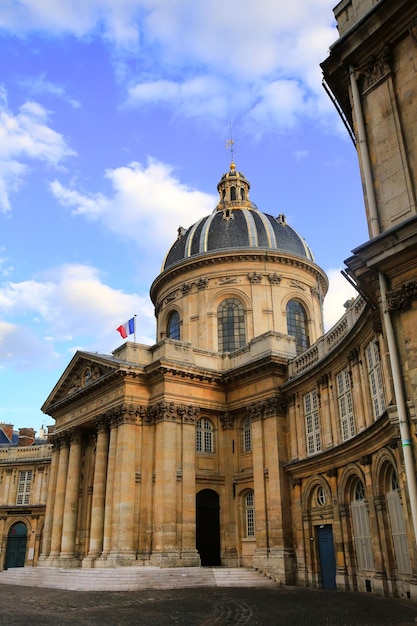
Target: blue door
327	557
16	545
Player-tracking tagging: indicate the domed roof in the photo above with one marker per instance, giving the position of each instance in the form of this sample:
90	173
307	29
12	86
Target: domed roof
236	223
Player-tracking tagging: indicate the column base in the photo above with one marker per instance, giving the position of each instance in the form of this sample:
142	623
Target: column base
121	558
190	558
166	558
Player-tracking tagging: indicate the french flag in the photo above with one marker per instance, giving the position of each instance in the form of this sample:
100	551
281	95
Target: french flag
127	329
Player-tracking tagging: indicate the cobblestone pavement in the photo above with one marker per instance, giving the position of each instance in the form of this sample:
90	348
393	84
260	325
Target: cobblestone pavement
201	607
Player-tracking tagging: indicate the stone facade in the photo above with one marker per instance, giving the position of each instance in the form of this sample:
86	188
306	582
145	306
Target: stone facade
289	452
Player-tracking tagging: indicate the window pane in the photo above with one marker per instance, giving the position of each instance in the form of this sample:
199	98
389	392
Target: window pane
231	325
297	325
173	329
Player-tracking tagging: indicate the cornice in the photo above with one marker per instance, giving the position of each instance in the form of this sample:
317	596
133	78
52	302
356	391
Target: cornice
209	260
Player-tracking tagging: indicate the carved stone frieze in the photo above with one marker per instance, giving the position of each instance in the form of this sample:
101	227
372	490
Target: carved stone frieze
275	405
228	280
186	288
401	298
227	421
255	278
297	284
169	411
274	278
378	68
202	282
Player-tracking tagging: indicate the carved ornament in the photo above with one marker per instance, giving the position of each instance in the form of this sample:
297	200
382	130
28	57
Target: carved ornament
275	405
401	298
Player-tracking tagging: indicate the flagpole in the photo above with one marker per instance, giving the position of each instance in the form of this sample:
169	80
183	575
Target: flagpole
134	327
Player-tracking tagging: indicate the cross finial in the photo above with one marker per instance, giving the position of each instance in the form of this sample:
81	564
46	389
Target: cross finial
230	144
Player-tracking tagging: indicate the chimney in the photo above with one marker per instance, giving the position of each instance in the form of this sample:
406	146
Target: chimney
26	437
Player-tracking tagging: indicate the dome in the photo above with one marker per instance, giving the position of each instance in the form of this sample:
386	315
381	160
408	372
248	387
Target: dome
236	223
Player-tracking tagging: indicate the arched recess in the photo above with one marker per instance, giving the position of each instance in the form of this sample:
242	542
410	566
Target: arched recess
208	527
394	523
16	545
173	325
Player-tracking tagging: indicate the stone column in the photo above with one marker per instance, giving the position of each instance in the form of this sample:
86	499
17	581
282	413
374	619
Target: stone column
189	554
165	552
108	506
50	499
228	452
69	524
59	499
99	493
123	550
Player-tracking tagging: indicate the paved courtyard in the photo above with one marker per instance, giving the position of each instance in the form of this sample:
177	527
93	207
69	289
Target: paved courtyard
201	607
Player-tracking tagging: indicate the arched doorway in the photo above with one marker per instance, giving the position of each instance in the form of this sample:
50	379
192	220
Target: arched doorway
16	545
208	527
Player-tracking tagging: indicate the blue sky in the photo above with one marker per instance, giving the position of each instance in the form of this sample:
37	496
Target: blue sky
114	117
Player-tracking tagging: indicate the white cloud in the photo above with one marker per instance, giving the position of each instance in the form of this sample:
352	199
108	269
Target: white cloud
39	85
142	196
204	59
25	137
340	291
66	301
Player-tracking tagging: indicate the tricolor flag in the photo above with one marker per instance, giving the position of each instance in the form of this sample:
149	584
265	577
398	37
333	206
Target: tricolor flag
127	329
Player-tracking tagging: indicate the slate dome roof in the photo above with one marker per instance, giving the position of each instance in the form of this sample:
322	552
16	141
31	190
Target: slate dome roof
236	223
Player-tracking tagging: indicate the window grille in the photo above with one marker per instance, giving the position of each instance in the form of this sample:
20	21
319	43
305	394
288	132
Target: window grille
247	434
311	415
375	379
204	435
23	487
297	325
231	325
250	514
344	399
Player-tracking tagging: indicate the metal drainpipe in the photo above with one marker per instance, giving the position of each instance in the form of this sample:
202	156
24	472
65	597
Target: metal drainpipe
394	358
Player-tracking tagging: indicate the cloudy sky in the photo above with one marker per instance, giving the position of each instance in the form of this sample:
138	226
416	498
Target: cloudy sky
114	118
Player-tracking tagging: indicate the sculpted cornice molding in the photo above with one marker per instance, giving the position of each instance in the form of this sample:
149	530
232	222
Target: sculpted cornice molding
269	407
401	297
171	412
377	69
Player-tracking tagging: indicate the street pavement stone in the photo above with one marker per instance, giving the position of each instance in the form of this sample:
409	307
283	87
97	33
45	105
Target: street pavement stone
283	606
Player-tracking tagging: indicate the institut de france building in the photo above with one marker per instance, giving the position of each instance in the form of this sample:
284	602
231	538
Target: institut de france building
245	436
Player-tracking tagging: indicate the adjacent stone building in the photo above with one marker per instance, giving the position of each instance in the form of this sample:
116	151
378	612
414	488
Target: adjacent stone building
245	436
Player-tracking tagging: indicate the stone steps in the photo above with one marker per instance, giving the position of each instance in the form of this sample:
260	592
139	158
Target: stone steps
134	578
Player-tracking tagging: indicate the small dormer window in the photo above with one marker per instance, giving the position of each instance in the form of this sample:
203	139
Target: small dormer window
228	214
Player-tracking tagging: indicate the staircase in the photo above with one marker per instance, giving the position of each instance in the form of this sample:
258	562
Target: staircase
134	578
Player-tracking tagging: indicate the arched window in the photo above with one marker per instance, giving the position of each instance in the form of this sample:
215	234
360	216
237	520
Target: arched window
297	325
247	434
242	193
173	326
233	193
361	528
249	515
204	435
231	325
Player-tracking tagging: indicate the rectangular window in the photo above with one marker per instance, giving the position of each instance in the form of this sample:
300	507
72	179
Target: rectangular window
250	515
23	487
375	379
344	399
311	415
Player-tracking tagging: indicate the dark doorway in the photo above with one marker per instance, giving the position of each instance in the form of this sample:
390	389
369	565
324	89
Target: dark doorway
208	527
327	557
16	545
